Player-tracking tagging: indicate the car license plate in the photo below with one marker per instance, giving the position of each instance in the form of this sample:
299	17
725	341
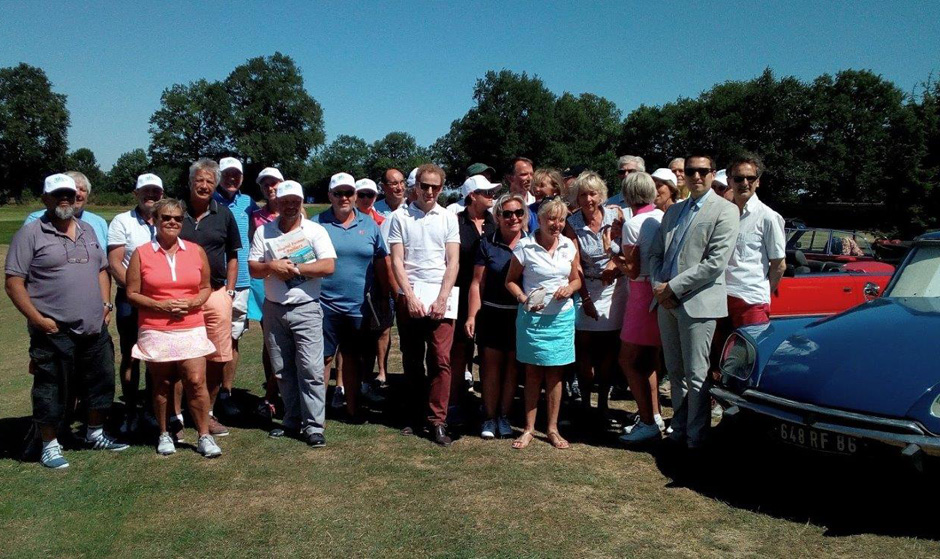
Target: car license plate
815	439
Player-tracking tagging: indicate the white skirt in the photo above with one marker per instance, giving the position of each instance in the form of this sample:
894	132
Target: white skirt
159	346
610	302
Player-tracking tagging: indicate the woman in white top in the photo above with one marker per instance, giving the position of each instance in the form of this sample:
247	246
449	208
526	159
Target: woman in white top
542	277
639	337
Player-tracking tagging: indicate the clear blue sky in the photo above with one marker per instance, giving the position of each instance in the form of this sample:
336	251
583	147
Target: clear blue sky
411	66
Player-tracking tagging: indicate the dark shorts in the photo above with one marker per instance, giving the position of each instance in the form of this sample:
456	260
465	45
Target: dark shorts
346	332
496	328
126	316
66	363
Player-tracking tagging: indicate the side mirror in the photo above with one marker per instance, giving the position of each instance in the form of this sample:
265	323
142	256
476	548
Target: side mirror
872	290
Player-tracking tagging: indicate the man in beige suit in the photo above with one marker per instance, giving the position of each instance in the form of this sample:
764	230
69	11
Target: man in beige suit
687	268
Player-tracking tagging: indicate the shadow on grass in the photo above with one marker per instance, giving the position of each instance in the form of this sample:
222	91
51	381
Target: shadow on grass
867	494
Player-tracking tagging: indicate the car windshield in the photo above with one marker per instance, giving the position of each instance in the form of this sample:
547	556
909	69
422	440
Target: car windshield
920	277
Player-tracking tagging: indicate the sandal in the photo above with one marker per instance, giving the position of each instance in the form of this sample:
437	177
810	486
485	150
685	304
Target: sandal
557	440
523	441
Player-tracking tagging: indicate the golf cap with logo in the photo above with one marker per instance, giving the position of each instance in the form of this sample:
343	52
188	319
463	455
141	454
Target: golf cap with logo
366	184
476	182
412	178
58	181
666	175
342	179
229	163
149	179
269	172
479	169
290	188
721	177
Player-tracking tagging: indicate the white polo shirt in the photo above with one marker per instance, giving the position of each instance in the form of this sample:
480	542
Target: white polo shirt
760	239
276	290
129	230
541	269
424	236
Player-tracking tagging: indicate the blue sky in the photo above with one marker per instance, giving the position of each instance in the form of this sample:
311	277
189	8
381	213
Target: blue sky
377	67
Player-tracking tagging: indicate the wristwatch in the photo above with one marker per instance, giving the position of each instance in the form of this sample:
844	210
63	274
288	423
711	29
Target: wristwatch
108	306
231	293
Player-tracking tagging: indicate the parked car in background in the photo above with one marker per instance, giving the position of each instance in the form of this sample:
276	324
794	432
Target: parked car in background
830	245
860	381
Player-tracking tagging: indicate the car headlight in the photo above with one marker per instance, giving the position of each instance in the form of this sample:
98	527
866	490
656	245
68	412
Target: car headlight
738	357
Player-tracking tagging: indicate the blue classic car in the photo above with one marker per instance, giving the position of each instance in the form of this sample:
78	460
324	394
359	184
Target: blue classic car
864	379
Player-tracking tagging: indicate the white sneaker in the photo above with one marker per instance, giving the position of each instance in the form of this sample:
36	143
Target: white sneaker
165	444
489	429
503	426
642	432
207	447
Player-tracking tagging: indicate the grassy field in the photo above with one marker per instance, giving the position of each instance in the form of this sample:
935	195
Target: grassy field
372	492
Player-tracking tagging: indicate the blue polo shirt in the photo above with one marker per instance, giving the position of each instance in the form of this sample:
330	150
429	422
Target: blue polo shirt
495	255
356	248
96	221
241	206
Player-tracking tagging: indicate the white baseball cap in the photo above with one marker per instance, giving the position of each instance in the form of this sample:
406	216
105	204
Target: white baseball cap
58	181
666	175
149	179
269	172
721	177
366	184
229	163
342	179
476	182
412	177
290	188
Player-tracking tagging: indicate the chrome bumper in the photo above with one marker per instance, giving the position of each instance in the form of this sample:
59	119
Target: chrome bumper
910	436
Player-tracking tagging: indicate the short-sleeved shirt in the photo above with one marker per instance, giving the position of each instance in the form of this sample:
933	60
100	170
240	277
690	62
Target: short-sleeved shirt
639	231
96	221
130	230
424	236
277	290
383	208
761	239
495	255
542	269
61	274
165	277
594	258
241	206
218	235
357	247
469	245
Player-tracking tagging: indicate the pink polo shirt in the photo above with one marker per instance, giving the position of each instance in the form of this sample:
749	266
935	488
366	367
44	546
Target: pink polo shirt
164	277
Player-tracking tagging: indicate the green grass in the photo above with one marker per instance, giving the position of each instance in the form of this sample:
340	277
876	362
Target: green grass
372	492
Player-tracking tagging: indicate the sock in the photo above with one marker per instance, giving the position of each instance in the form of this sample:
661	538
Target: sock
47	444
94	431
211	414
179	417
657	418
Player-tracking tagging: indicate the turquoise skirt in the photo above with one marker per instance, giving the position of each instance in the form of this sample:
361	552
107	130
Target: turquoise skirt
256	299
545	339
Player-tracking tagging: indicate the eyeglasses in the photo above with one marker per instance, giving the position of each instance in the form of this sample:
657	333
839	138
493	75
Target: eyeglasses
75	258
426	186
176	218
489	193
510	213
622	172
344	193
741	178
691	171
365	194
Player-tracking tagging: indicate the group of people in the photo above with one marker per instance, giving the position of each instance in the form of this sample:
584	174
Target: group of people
540	280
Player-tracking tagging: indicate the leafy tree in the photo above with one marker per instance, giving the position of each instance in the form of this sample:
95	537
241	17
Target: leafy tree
348	154
83	160
396	149
192	122
588	127
33	129
123	176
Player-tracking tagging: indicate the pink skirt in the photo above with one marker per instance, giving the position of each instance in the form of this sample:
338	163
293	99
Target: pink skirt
160	346
640	326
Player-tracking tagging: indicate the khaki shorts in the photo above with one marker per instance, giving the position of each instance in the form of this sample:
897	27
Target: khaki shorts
217	313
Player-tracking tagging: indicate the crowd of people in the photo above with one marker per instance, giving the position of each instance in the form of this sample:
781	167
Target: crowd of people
560	284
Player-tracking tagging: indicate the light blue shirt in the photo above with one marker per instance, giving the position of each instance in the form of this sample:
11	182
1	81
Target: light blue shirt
357	247
241	206
671	258
96	221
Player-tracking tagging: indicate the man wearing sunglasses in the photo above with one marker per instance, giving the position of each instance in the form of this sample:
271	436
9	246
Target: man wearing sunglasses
626	165
687	262
57	277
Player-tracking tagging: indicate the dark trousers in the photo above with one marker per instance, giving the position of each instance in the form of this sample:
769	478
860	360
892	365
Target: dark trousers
64	362
426	342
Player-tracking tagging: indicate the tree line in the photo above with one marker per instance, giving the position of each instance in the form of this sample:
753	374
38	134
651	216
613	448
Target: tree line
850	149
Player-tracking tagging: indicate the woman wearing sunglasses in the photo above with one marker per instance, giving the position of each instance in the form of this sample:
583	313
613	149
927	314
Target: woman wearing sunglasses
366	192
168	282
491	314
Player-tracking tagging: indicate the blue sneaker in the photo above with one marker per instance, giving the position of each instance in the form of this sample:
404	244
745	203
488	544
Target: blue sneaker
52	458
104	442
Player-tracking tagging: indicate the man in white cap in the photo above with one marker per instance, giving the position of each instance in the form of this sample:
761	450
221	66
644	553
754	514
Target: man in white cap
128	231
97	222
411	194
720	185
57	277
292	254
229	194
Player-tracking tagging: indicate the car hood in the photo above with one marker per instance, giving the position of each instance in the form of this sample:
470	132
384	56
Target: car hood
876	358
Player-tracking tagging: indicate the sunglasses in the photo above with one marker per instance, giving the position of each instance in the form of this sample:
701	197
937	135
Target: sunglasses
166	218
742	178
426	186
365	194
344	193
510	213
623	172
490	193
691	171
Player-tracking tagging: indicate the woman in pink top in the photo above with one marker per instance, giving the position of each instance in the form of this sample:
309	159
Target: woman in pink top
168	281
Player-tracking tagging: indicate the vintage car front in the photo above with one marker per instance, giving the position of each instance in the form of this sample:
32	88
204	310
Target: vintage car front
866	378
